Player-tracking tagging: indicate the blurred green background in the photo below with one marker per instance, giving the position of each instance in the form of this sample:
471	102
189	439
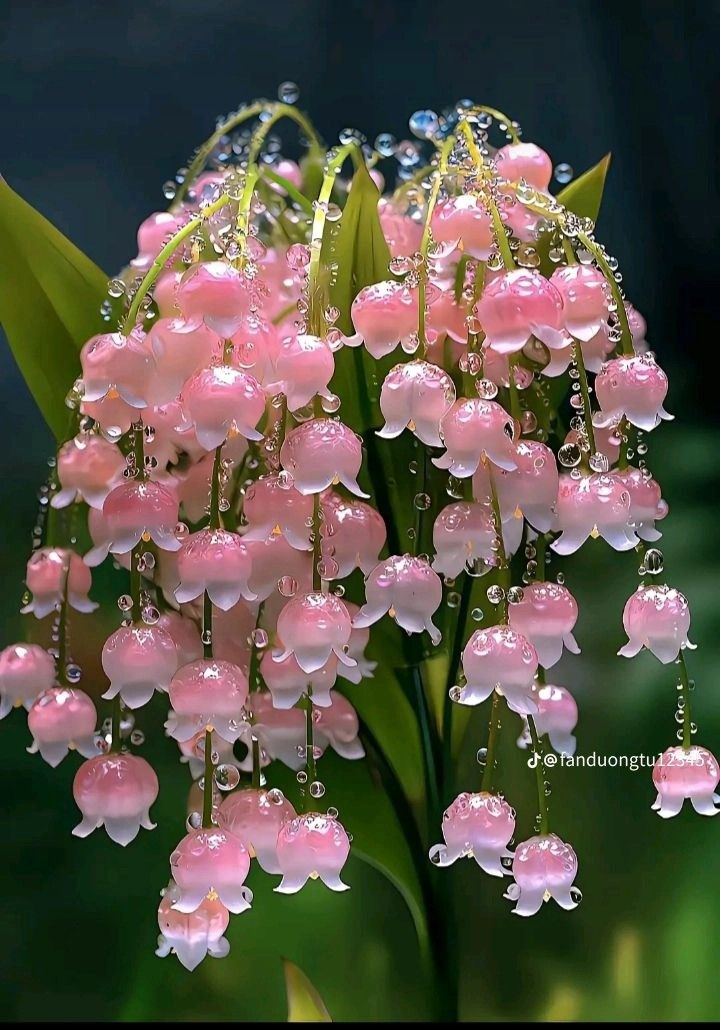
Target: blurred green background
78	917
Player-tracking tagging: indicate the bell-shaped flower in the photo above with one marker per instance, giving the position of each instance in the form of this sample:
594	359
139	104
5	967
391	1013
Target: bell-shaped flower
138	660
312	627
217	562
402	232
594	505
118	365
287	682
384	314
658	618
276	565
101	536
53	572
152	235
478	826
207	693
192	754
546	616
337	726
304	366
312	846
115	791
60	720
464	219
681	773
279	731
557	716
141	509
529	490
321	452
447	317
359	639
255	349
352	535
216	293
165	293
88	467
634	388
516	161
220	403
544	867
210	861
646	503
585	296
180	349
473	429
416	395
256	817
407	588
192	935
112	415
517	305
272	506
26	672
185	635
232	633
463	535
498	658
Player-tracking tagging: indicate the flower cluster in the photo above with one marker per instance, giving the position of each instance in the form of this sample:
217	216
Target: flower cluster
220	460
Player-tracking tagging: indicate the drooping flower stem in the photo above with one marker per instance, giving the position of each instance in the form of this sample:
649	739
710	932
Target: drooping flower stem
280	111
570	256
310	762
115	717
136	583
208	775
317	544
164	256
685	695
207	626
499	117
539	777
292	191
498	225
540	556
438	175
515	407
626	342
585	393
62	630
255	751
215	490
493	736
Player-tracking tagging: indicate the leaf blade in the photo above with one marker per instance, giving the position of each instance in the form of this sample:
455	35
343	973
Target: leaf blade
304	1002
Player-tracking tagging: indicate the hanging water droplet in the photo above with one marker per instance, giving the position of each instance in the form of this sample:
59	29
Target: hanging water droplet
150	615
569	455
424	124
259	638
422	501
287	586
288	92
455	693
515	595
495	594
563	173
317	789
560	578
654	561
137	737
125	603
116	288
169	189
301	776
227	776
73	673
599	462
193	822
275	796
486	389
453	599
482	756
477	614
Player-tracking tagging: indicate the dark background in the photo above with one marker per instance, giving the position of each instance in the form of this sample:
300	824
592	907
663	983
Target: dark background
100	105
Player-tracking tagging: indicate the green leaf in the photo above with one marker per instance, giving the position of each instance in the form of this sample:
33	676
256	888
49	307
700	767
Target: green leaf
583	196
304	1003
50	296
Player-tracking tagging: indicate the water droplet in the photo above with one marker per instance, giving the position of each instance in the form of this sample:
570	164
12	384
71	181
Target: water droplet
169	189
422	501
486	389
455	693
125	603
301	776
193	822
453	599
227	776
599	462
116	288
654	561
560	578
477	614
137	737
576	895
317	789
563	173
424	124
482	756
569	455
495	594
150	615
287	586
288	92
259	638
275	796
515	595
73	673
298	256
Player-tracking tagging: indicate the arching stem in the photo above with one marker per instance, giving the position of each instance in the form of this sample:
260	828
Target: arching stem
498	224
439	174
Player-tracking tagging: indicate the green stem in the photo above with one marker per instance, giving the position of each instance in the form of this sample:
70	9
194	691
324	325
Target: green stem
623	432
493	736
626	344
164	256
215	490
310	763
438	176
539	777
136	583
540	555
585	392
207	819
292	191
281	111
685	694
255	745
460	277
453	671
429	743
515	407
207	626
567	246
498	224
317	544
62	658
419	511
500	117
116	714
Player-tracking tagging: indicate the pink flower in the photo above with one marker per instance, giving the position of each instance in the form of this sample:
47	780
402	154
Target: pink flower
139	510
585	295
646	503
118	365
165	294
207	693
321	452
26	671
273	505
192	753
594	505
544	867
220	403
48	571
337	725
231	634
353	534
216	293
217	562
88	467
546	616
517	305
210	861
527	161
416	395
304	366
681	773
478	826
275	562
384	315
287	682
279	731
185	636
658	618
408	588
530	489
312	846
466	220
312	627
115	791
256	817
359	639
61	719
101	536
138	660
631	387
180	349
403	233
152	235
463	534
255	348
498	658
192	935
113	416
557	716
472	429
447	316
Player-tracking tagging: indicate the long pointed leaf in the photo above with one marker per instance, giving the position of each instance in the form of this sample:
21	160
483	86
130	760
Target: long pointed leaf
304	1002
